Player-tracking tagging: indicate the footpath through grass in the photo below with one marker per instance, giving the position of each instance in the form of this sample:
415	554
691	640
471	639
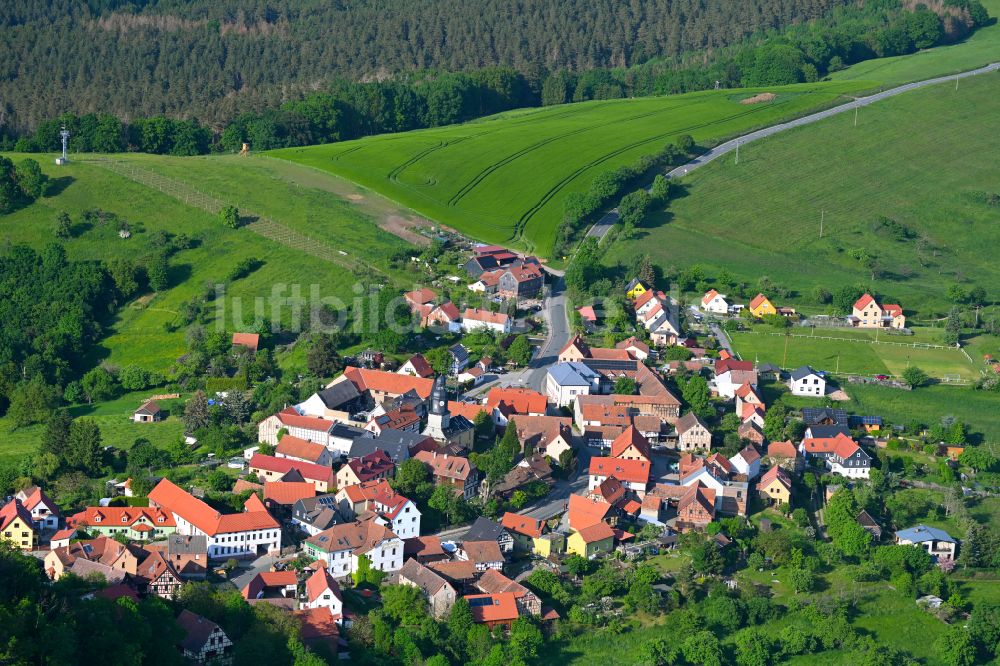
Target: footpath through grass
504	178
922	159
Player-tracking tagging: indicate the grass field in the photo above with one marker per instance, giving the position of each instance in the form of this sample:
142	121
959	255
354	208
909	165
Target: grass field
918	158
139	334
503	179
982	48
114	419
851	356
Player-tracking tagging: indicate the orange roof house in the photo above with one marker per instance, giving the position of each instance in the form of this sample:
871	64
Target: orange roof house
631	445
529	527
383	384
249	340
494	609
287	493
760	306
583	512
516	401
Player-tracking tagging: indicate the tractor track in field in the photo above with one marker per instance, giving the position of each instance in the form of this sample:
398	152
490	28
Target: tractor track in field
394	174
531	212
488	170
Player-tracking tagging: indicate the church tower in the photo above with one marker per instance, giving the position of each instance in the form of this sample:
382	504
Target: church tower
438	418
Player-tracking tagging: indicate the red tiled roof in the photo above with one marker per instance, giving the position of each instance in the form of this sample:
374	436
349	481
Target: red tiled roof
248	340
444	465
596	532
482	552
631	507
863	302
610	490
449	310
892	309
292	418
359	537
644	298
516	400
587	313
37	496
420	296
114	515
318	624
500	607
815	445
757	300
378	492
420	366
148	407
388	382
396	419
723	366
515	522
288	492
204	517
422	546
266	579
633	342
485	316
709	295
254	502
775	473
372	466
320	582
309	471
630	437
583	512
784	449
294	447
629	471
465	409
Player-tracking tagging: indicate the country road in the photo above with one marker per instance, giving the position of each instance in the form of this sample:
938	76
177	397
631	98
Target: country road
604	225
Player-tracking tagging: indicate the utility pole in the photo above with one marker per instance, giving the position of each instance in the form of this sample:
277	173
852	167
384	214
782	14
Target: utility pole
856	115
822	218
956	83
737	151
784	357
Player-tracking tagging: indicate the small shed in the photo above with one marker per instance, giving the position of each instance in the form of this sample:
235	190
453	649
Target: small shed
148	412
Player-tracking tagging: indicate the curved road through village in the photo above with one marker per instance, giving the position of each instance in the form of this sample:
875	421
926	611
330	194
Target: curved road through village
601	228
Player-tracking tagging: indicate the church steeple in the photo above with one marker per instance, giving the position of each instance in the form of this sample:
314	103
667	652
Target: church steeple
439	397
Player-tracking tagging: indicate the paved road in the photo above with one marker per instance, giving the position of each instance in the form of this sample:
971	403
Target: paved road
260	565
601	228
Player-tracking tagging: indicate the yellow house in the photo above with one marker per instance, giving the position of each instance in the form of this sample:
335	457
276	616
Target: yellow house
529	535
549	544
635	289
761	306
16	527
591	541
776	485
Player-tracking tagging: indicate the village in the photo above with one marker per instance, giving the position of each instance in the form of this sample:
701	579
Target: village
616	454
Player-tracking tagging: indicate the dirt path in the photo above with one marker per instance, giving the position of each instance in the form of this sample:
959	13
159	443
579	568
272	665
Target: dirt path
389	216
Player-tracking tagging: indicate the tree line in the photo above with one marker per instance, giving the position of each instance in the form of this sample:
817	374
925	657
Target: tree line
255	101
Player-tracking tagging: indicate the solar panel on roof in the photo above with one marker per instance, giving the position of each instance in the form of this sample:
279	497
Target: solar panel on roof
601	364
480	602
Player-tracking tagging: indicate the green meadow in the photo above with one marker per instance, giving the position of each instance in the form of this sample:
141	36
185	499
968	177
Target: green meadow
504	178
851	356
148	331
922	159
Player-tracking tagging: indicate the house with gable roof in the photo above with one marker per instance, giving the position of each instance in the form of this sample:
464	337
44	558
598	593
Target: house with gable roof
591	541
868	313
806	381
841	454
376	465
440	594
44	512
341	547
939	544
714	302
527	533
322	591
474	319
308	428
203	641
692	433
634	474
454	471
400	514
761	306
747	462
253	532
303	450
271	468
776	486
416	366
631	445
135	523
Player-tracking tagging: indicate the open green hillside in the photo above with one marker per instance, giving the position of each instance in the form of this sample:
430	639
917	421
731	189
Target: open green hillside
982	48
922	159
149	332
504	179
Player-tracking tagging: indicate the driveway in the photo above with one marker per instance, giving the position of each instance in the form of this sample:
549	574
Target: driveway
261	564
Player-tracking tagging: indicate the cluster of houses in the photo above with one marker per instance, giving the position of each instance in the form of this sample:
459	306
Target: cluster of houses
426	306
866	312
497	271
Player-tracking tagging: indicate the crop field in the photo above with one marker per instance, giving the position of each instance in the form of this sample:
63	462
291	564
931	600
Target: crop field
503	179
922	159
145	331
852	356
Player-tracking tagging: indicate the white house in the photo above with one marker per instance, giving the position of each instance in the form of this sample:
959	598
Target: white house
248	534
474	319
565	381
341	546
747	462
309	428
841	454
44	512
714	302
322	591
806	381
633	474
937	543
398	513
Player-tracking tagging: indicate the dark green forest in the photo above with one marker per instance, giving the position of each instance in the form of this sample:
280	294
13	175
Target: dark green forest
187	76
